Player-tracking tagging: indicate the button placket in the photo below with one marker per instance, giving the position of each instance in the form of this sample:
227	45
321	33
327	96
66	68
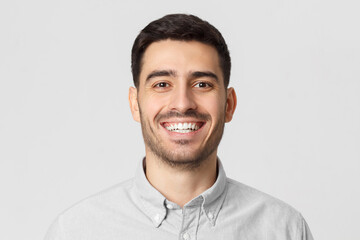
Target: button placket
190	223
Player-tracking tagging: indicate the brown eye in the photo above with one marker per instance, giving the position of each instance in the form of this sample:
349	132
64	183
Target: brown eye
162	85
202	85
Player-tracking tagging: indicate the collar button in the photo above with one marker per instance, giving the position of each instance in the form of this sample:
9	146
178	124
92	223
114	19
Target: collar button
186	236
157	218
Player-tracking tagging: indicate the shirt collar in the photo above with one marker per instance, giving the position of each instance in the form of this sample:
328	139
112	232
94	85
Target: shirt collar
154	203
214	196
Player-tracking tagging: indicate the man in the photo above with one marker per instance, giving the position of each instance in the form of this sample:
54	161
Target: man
181	71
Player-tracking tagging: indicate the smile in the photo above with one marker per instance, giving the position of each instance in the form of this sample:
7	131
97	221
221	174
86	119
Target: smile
183	127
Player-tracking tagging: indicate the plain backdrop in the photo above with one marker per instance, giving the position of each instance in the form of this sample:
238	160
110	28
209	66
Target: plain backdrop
66	130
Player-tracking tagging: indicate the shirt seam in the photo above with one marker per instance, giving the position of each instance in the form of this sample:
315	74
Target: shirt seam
300	227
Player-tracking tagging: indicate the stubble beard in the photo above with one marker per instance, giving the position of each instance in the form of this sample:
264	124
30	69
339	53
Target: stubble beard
182	160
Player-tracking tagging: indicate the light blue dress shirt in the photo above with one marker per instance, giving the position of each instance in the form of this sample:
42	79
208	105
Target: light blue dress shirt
136	210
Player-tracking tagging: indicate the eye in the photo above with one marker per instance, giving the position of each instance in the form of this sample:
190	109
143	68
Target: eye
203	85
161	85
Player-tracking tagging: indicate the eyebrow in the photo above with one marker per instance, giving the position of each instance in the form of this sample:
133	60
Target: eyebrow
161	73
172	73
199	74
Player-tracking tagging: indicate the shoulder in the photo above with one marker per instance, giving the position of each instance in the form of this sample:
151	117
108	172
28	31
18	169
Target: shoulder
92	210
245	195
90	213
108	197
252	211
260	205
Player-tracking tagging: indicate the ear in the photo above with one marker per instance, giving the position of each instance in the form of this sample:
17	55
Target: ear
134	105
231	102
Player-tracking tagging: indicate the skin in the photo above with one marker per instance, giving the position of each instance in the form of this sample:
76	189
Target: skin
181	82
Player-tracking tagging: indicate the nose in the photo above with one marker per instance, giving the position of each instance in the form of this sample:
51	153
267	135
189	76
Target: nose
182	99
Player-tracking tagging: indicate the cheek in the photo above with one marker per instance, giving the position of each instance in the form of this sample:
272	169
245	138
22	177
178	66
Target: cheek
214	105
151	106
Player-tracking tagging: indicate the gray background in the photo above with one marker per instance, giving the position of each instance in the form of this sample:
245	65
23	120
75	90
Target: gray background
66	131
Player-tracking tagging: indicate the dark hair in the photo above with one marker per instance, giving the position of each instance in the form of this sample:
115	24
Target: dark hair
181	27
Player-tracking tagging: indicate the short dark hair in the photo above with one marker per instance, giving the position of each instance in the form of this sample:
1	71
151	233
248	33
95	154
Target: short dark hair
181	27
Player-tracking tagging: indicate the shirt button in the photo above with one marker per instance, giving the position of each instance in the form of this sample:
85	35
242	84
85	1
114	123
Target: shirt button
169	206
186	236
210	215
157	218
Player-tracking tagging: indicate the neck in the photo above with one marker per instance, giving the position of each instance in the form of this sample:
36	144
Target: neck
181	185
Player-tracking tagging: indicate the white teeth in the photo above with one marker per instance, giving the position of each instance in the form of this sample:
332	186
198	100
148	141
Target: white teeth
182	127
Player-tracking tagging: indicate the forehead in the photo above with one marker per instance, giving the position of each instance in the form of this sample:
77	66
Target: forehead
180	56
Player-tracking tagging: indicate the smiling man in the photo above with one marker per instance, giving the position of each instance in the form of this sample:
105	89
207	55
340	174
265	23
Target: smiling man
181	71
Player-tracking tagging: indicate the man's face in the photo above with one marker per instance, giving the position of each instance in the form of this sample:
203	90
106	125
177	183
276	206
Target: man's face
181	102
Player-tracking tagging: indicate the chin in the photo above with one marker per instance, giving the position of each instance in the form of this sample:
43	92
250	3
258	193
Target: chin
185	159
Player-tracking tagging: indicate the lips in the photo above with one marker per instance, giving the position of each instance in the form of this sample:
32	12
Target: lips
182	127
